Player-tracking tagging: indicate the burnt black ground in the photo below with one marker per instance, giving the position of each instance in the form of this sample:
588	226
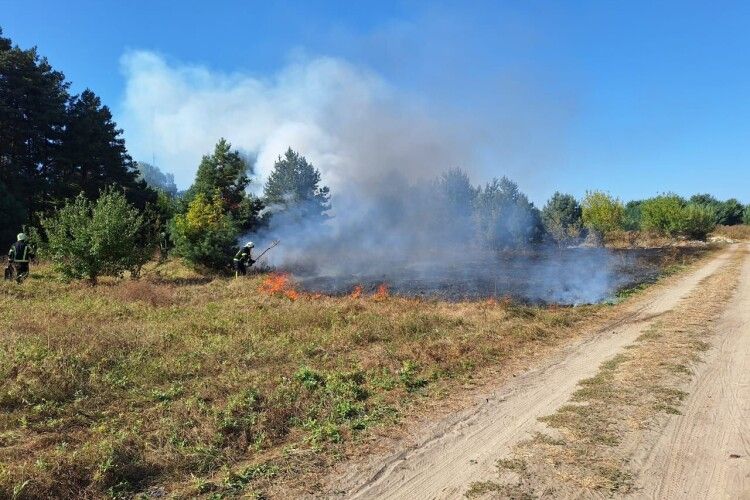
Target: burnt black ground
562	276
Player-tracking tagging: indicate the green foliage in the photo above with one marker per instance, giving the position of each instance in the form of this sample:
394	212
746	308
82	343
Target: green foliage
504	216
663	214
633	215
697	221
601	212
746	215
90	239
562	217
93	155
294	188
12	216
32	119
730	212
223	170
206	233
226	172
670	215
54	146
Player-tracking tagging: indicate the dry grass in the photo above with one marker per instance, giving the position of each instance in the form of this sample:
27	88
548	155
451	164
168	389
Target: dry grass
636	239
585	452
189	385
736	233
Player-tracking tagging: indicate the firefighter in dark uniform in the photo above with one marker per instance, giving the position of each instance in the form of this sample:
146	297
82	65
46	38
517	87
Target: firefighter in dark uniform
19	256
244	259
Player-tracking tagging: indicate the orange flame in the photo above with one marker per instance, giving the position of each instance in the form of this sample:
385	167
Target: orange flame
357	292
382	292
279	284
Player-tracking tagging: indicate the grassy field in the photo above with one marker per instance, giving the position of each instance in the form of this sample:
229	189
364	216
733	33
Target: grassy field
185	386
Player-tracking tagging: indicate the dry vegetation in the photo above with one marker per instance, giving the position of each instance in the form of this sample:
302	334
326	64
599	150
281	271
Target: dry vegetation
736	233
585	450
184	385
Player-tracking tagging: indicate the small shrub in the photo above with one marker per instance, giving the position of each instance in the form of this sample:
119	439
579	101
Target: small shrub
205	234
697	221
602	213
562	217
88	240
408	376
663	214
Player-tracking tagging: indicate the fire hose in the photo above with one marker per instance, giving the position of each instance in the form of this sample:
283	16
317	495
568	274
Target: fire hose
275	242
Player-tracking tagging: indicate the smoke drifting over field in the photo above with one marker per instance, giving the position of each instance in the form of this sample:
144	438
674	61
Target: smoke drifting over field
378	150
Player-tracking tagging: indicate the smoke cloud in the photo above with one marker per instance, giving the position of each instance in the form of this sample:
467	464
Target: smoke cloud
379	151
346	120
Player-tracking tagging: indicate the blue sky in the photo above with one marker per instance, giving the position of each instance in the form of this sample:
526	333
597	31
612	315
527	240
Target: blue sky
631	97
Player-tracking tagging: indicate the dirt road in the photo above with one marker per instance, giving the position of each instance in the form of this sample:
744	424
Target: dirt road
444	459
705	452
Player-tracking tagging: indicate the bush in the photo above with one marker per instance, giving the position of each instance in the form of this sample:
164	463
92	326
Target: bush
205	234
602	213
91	239
697	221
746	215
562	217
633	215
730	212
663	214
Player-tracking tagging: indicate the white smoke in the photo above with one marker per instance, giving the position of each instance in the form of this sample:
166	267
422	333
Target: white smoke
346	120
374	147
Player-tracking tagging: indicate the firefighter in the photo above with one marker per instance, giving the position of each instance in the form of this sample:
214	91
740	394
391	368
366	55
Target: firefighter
19	256
163	246
244	259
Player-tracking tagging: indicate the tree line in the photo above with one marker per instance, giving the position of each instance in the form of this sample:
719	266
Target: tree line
65	168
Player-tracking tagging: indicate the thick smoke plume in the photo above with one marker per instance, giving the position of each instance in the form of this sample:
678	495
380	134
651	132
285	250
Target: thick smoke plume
380	152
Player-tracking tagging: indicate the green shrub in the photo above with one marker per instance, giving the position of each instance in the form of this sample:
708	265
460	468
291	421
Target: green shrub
562	217
91	239
730	212
602	213
746	215
697	221
206	233
663	214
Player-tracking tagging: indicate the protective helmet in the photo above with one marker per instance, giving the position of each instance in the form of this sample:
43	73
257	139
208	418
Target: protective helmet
249	244
21	237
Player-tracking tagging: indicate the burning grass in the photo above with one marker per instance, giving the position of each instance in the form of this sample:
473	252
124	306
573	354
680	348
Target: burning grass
196	387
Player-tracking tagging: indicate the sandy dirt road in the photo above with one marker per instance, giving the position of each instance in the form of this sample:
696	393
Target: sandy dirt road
705	452
444	459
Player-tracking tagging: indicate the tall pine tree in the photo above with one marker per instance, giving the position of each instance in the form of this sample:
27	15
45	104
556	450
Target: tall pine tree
226	172
32	119
93	155
294	186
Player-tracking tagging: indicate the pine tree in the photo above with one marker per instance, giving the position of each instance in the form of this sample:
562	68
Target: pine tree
294	185
32	119
226	172
562	217
93	155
